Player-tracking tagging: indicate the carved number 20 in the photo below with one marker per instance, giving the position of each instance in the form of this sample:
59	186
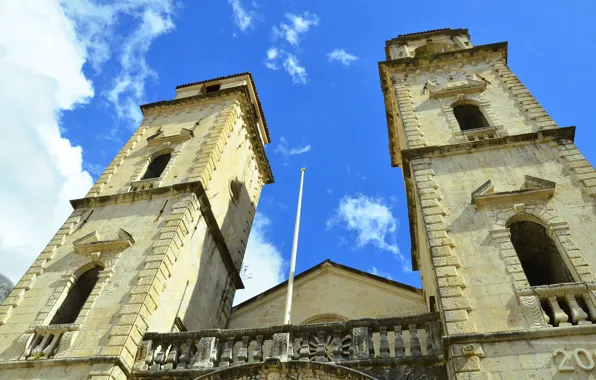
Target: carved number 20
563	365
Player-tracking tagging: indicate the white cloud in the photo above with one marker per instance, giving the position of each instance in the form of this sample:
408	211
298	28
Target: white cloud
41	75
283	149
243	19
371	221
376	272
99	31
299	25
297	72
288	61
272	56
342	56
291	32
263	262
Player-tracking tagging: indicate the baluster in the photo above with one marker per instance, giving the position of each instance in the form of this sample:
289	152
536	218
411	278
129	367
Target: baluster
38	350
242	355
304	348
338	346
52	345
384	345
172	358
321	352
226	356
148	355
429	340
257	353
578	315
560	316
414	341
34	342
591	307
371	345
185	354
400	347
159	356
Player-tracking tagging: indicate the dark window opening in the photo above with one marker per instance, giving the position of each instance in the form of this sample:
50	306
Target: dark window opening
157	166
76	298
432	303
212	88
538	254
469	117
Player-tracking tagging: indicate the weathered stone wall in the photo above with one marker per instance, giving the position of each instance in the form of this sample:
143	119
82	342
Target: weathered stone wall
488	292
332	291
176	263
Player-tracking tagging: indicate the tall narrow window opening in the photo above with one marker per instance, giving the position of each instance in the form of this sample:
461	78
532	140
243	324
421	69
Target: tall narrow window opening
538	254
157	166
76	298
469	117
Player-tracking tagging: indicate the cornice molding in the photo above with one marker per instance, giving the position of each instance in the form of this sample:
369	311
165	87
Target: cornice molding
195	187
434	61
504	142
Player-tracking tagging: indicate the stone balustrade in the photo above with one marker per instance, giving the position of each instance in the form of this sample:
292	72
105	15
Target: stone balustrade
478	134
45	341
566	304
388	341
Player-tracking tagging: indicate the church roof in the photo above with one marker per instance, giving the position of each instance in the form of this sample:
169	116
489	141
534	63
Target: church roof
336	265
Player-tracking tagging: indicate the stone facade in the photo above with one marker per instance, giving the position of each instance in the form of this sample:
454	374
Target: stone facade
466	188
168	248
139	280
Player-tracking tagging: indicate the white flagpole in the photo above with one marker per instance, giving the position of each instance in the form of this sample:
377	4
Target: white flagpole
288	311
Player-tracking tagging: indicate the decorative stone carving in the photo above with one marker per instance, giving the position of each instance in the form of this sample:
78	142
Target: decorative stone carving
533	191
454	82
92	242
204	356
281	348
533	311
360	343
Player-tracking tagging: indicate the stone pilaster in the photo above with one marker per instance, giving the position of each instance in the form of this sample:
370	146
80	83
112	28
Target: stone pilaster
451	284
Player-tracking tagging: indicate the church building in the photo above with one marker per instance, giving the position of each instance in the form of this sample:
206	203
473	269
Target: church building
138	282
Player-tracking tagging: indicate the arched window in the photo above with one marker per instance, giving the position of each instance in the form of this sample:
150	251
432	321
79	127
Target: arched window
76	298
469	117
538	254
157	165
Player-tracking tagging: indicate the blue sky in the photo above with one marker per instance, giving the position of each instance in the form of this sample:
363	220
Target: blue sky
74	73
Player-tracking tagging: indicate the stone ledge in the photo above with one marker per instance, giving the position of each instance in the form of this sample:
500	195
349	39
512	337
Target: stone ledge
505	141
99	359
502	336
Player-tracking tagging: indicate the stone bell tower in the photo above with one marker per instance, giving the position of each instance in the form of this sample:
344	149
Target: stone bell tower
501	210
156	245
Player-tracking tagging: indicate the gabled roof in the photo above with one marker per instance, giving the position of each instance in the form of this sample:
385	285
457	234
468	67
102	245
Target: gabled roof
319	266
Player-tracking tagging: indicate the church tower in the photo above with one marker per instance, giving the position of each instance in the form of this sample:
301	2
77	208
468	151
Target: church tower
501	210
156	245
